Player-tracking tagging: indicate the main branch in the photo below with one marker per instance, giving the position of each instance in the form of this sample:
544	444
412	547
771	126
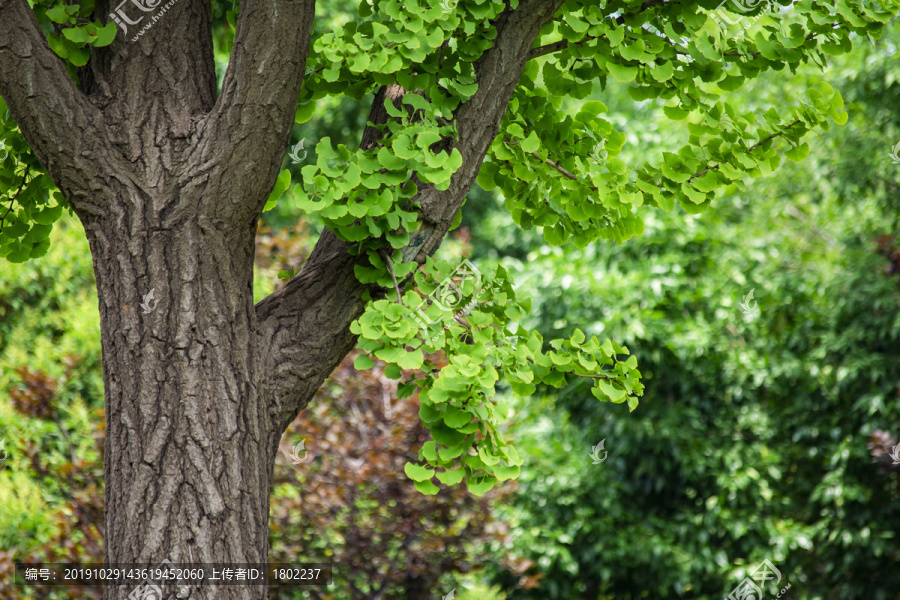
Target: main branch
242	141
305	325
63	129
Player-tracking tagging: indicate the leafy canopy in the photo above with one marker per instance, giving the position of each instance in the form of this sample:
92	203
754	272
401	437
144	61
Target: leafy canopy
546	163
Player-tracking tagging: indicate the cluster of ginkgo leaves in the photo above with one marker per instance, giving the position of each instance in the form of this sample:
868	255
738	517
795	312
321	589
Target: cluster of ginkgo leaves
684	56
366	196
545	162
29	202
470	320
71	29
548	166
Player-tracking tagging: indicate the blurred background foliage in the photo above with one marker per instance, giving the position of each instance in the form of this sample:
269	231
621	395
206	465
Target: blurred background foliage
763	433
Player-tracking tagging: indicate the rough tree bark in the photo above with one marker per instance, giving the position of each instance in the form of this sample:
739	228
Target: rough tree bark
169	181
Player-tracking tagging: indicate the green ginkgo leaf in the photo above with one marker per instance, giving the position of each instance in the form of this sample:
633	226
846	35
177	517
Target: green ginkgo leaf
480	485
418	472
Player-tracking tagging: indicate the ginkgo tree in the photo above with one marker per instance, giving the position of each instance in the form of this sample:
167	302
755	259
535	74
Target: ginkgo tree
115	112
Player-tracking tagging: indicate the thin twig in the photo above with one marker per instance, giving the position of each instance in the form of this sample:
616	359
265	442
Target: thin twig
553	164
13	198
390	266
560	45
749	150
556	166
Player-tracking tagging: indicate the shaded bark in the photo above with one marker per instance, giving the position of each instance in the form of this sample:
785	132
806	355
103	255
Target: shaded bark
170	182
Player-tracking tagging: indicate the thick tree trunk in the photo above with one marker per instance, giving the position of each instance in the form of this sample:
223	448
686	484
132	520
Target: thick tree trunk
190	452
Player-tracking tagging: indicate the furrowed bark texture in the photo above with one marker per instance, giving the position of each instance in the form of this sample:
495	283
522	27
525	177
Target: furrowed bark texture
170	181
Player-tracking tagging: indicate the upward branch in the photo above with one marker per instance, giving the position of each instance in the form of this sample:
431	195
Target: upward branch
305	325
250	125
64	130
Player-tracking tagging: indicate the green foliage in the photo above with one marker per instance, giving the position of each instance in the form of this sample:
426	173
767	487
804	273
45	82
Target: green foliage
29	202
70	30
21	509
365	195
458	400
754	436
51	398
542	160
359	436
546	165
